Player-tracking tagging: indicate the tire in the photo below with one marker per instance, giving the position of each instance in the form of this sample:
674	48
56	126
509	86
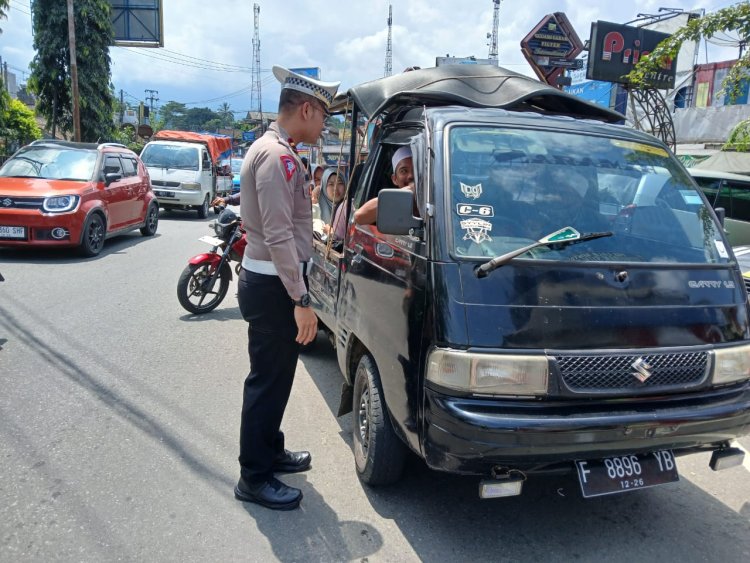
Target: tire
152	221
379	454
189	292
94	233
203	209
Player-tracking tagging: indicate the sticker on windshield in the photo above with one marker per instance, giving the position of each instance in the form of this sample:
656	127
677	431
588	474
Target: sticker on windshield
640	147
721	249
472	192
476	230
469	210
690	197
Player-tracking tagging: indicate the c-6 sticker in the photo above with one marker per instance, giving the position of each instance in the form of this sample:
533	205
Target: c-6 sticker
469	210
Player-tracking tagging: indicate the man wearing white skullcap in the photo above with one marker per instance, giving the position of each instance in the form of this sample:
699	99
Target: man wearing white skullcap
276	212
402	177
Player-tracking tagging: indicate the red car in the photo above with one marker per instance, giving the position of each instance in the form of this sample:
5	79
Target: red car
59	193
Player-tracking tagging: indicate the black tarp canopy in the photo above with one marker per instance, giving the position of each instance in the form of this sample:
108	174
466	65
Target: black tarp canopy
471	86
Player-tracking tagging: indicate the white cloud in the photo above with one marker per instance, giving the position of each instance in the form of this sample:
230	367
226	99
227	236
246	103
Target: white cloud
345	38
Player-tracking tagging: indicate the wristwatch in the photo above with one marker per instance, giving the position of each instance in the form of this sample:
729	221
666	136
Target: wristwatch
303	301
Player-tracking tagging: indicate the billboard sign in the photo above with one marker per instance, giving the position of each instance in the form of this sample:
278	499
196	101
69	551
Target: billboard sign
138	23
248	135
615	49
310	72
551	46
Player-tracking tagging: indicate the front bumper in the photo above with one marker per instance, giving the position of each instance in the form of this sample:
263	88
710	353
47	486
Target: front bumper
39	228
174	196
471	436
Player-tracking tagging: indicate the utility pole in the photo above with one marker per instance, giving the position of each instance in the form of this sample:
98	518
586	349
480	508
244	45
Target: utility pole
122	106
151	97
388	71
255	94
74	73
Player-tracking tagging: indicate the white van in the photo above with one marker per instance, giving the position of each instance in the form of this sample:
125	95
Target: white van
731	192
183	173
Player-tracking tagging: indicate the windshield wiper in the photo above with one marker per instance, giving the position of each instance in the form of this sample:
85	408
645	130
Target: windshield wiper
559	239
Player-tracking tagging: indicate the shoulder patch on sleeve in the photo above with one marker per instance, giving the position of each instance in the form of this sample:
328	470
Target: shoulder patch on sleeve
290	167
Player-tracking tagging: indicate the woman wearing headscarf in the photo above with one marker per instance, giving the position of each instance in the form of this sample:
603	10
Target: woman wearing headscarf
333	187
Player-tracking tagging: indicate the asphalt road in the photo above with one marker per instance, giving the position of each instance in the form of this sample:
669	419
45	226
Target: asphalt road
119	422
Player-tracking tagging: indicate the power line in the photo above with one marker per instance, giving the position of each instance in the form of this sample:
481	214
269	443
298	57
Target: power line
180	62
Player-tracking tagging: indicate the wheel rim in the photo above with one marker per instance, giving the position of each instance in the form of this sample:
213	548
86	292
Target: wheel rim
95	234
153	217
363	419
196	292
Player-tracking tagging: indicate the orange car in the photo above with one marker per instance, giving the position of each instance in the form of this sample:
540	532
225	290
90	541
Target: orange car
58	193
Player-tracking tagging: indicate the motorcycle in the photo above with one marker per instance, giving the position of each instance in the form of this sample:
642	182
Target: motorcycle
204	282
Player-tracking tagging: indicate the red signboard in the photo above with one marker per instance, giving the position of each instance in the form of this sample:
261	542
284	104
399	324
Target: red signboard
551	42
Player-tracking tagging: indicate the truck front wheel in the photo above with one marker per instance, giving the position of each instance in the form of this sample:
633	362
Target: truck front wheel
379	454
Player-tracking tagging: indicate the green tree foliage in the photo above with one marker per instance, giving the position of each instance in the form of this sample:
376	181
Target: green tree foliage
174	115
734	18
50	76
739	138
4	5
18	125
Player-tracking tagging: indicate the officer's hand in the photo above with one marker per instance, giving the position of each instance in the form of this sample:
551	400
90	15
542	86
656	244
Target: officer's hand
219	201
307	324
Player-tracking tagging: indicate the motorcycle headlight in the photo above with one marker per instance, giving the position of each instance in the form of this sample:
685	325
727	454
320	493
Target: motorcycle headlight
489	374
731	364
60	204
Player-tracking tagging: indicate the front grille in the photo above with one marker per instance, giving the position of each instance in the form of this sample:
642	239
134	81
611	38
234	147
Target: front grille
12	202
613	374
747	285
165	184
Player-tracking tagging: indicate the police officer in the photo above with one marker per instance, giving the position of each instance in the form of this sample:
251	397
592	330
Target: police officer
276	211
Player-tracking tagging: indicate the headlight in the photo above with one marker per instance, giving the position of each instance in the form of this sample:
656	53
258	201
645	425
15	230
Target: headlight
59	204
191	186
488	374
731	364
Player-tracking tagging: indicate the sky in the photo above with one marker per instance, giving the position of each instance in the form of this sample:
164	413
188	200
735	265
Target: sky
207	55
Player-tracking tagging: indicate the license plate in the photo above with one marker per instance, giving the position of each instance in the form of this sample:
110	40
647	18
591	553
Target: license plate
12	232
626	473
161	193
213	241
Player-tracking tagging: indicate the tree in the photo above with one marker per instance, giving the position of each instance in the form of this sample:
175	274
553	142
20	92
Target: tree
734	18
19	125
50	77
172	115
4	5
226	114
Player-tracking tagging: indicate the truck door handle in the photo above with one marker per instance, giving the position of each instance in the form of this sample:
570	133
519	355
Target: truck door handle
357	258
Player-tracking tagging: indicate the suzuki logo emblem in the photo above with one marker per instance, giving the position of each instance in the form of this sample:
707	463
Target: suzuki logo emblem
7	202
642	370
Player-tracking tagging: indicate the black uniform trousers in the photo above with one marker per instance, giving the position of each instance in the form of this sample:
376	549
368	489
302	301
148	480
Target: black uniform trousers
266	306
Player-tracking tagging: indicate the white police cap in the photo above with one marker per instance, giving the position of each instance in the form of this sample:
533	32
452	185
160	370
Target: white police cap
323	91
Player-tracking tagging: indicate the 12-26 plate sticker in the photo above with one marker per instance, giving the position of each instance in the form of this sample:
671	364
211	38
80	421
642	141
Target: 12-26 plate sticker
469	210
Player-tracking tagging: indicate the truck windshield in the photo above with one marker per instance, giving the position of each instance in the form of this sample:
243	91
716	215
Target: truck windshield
170	156
509	187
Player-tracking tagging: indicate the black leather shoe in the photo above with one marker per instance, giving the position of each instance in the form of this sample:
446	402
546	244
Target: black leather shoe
292	462
272	494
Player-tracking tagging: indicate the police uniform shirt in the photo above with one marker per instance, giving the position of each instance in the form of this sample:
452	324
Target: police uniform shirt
276	208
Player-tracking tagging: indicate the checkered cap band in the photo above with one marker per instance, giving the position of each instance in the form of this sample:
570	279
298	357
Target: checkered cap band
305	85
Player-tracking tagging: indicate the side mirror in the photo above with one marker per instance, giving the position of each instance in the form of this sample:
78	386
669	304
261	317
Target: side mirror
395	212
110	177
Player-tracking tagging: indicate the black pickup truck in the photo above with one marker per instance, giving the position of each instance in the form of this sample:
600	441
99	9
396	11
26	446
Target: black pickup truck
563	299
